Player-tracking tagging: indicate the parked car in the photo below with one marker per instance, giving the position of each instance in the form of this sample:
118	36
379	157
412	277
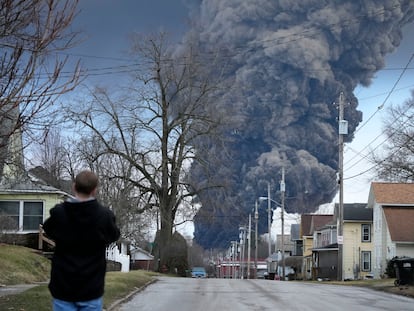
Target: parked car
198	272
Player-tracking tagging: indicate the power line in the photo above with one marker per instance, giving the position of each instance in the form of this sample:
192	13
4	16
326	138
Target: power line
385	93
388	95
378	164
389	136
309	32
378	109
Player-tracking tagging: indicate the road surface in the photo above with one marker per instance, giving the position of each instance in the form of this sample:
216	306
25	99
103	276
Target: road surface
186	294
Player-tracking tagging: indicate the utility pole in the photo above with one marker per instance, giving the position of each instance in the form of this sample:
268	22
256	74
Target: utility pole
234	250
269	219
249	245
256	218
343	130
282	216
242	236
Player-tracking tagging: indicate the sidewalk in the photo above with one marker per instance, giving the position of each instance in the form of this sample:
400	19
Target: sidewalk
15	289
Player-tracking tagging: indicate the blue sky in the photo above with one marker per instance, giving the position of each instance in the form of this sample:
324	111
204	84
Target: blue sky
106	25
356	189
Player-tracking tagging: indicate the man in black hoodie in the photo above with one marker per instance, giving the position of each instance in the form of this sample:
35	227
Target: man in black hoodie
82	229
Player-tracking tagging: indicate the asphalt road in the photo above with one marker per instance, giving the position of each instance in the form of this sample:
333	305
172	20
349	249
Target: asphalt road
186	294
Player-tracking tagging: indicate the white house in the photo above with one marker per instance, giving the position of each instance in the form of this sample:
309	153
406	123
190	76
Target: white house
393	219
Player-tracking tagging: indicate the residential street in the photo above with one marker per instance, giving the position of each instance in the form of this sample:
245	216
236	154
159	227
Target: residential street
187	294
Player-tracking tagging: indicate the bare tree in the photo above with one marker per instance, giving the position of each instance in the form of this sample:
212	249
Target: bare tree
196	255
116	189
50	158
153	126
32	32
59	158
395	162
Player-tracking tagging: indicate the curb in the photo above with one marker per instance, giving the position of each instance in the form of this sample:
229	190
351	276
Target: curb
114	306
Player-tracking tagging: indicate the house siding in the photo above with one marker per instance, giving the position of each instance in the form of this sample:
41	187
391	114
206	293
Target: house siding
384	247
49	199
352	249
379	241
307	246
405	250
29	238
307	257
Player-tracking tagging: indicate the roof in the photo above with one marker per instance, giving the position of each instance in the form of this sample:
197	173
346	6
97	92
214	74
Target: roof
138	253
357	212
305	223
400	223
312	222
393	193
27	184
318	221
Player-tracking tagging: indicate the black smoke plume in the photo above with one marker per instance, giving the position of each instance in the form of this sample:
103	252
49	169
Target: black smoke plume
287	62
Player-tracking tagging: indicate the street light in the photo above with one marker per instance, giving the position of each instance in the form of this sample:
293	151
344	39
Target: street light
269	217
282	217
256	218
282	193
269	200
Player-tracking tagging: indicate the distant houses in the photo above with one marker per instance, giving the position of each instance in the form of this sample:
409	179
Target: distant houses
373	234
357	246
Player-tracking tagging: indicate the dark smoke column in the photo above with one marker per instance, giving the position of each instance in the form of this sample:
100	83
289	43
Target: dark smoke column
287	62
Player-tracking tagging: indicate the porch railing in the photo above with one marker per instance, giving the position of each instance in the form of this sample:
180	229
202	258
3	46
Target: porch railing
44	239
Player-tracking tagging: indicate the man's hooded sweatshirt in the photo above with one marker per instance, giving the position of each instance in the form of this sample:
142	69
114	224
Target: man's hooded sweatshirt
81	230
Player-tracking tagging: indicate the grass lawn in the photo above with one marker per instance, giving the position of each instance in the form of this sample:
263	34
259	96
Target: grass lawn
36	298
118	285
20	265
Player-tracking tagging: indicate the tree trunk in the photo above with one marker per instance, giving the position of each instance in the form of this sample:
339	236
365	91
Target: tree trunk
163	239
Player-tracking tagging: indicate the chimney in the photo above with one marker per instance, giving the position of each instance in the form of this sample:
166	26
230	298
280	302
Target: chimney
14	165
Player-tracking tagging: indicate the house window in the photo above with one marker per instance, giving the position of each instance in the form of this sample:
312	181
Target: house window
20	215
32	215
366	261
366	233
9	215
